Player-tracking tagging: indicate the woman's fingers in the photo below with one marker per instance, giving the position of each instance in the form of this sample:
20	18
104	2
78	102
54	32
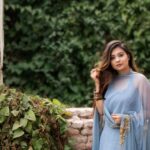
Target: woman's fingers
94	73
116	118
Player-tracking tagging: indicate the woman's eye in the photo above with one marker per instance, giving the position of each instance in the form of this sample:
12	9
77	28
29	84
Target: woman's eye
112	58
120	55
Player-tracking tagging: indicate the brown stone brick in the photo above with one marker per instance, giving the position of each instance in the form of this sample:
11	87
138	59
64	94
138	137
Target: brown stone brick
72	131
86	131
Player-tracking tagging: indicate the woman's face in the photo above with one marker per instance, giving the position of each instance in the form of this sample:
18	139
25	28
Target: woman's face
120	60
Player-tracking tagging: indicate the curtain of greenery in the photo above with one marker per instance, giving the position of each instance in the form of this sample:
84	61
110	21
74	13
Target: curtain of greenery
51	45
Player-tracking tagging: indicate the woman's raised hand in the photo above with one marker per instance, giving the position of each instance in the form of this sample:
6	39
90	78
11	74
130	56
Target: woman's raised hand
95	74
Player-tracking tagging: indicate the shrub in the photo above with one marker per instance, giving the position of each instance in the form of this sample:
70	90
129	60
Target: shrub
31	122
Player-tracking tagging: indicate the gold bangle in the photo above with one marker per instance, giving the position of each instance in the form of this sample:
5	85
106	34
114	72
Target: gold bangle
97	96
99	99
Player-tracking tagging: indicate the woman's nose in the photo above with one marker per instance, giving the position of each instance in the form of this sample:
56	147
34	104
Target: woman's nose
117	59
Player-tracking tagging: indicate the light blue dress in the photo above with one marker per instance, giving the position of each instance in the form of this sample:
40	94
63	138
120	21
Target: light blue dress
128	95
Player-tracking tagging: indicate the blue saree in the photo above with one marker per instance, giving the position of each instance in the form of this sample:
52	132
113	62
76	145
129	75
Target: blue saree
128	95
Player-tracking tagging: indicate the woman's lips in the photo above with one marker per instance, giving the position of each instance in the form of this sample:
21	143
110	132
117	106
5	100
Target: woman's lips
118	65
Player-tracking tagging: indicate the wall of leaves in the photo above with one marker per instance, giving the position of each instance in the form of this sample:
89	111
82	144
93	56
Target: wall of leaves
51	46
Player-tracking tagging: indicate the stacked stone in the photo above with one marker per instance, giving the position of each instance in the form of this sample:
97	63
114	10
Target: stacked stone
80	127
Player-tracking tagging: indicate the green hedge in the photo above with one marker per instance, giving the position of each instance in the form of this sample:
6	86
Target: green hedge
31	122
51	46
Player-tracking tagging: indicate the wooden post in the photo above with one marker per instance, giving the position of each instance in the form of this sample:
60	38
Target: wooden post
1	40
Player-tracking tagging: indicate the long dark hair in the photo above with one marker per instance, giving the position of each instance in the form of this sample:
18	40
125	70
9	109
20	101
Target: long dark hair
104	65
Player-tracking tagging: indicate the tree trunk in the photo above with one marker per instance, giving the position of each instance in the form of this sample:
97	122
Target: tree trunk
1	41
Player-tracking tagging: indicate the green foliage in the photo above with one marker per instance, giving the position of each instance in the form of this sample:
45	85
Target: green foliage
31	122
51	46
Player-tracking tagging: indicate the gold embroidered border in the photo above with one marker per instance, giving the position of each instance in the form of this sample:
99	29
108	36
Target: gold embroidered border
124	129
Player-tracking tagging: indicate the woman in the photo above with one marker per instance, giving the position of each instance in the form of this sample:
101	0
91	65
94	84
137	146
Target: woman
122	100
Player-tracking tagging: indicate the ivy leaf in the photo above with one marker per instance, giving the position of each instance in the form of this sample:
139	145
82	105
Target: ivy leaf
25	100
29	127
16	125
4	111
15	112
56	102
2	97
37	144
23	122
2	119
35	133
30	115
18	133
23	144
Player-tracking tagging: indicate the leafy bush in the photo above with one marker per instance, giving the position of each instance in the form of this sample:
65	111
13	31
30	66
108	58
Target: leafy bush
51	46
31	122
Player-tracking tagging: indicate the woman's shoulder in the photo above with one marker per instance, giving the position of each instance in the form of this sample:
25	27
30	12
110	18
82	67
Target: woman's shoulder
139	74
139	77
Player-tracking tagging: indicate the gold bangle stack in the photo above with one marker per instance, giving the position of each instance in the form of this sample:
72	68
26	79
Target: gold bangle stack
97	96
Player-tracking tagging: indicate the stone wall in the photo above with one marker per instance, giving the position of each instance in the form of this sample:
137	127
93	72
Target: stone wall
80	127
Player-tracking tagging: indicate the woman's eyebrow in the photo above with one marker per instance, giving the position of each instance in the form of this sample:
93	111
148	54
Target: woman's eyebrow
117	53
